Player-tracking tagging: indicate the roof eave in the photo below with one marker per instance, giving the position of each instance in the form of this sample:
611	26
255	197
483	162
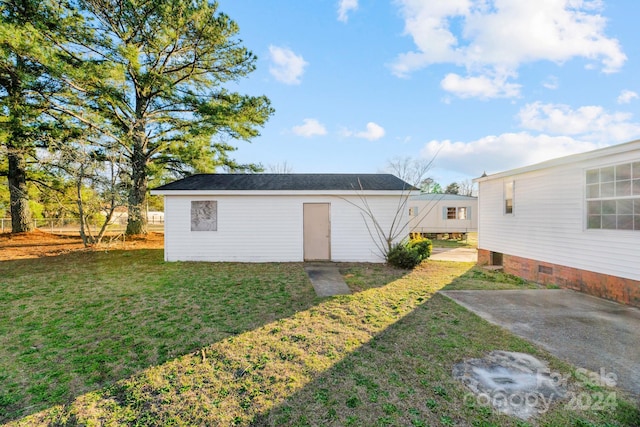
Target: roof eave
560	161
282	192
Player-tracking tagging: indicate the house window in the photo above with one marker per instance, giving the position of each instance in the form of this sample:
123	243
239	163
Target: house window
456	212
508	197
204	215
613	197
462	213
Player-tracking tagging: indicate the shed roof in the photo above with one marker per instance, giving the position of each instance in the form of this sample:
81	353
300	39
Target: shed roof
288	182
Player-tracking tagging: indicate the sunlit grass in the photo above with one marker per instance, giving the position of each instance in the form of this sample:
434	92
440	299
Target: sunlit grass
276	355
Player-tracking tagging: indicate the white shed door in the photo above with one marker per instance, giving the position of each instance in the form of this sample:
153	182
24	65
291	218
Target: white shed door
317	232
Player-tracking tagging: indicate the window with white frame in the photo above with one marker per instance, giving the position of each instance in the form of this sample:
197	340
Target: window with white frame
456	212
509	189
613	197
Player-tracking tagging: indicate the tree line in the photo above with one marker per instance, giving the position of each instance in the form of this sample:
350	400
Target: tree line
102	98
415	172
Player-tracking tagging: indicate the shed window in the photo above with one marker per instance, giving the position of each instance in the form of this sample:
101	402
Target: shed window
613	197
508	197
204	215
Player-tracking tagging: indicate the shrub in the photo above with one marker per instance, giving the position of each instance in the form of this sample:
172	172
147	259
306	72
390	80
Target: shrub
409	254
422	246
402	257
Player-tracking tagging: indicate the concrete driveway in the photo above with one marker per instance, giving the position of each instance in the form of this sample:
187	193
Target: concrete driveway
588	332
454	254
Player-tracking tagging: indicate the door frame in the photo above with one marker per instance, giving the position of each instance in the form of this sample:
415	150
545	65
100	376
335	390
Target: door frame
306	224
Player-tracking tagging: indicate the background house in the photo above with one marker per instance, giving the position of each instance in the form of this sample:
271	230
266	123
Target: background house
434	215
572	221
281	217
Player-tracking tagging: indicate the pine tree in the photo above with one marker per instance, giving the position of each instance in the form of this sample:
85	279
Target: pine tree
30	32
166	100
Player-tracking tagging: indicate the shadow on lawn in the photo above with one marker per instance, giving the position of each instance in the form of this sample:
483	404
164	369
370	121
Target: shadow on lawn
382	356
403	376
82	321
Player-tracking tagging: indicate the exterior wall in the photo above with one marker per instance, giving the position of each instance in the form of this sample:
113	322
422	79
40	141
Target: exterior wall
270	228
614	288
431	216
548	225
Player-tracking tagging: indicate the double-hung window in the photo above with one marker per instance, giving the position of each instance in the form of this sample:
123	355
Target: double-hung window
456	213
508	197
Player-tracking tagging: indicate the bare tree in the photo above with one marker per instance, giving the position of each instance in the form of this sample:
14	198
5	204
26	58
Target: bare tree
96	176
283	167
409	169
466	187
383	236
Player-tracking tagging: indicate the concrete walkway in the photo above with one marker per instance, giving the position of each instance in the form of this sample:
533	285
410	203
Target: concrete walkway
454	254
586	331
326	280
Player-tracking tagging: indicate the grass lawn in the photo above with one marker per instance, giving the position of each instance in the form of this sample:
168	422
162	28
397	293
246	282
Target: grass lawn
122	338
471	241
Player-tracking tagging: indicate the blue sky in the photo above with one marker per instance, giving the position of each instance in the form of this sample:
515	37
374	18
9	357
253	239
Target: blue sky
488	85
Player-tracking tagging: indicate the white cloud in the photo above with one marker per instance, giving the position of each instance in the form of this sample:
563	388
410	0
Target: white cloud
626	96
372	132
479	87
309	128
494	37
589	122
287	67
551	83
493	154
344	7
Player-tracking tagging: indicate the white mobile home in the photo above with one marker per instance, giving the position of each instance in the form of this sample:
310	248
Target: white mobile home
281	217
438	214
572	221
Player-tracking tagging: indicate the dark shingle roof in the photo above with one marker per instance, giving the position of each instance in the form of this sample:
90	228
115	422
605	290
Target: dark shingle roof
293	182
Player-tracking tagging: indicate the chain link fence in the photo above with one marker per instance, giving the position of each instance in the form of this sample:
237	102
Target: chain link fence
71	226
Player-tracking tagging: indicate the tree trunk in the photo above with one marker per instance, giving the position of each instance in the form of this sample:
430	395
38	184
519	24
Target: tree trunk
21	219
137	220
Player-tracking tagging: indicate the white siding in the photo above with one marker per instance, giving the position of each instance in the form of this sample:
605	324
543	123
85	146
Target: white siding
548	221
431	217
270	228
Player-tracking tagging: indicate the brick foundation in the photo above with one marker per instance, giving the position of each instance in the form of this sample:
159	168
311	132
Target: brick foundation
625	291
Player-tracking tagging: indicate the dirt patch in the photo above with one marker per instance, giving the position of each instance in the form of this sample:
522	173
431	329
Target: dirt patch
38	244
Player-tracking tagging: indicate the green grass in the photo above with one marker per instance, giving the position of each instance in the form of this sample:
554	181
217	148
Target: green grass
479	278
75	323
471	241
130	340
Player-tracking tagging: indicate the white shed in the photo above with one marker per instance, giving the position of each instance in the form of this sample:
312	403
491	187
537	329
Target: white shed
436	214
282	217
572	221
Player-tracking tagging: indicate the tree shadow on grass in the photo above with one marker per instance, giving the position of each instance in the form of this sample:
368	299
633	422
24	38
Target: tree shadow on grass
82	321
403	377
382	356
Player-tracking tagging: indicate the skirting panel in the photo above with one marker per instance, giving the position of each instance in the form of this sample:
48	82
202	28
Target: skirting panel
625	291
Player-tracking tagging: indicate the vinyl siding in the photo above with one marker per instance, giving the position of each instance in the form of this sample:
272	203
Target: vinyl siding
270	228
548	221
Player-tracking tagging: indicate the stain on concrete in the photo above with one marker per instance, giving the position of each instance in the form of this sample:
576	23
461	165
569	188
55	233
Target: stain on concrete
589	332
515	384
